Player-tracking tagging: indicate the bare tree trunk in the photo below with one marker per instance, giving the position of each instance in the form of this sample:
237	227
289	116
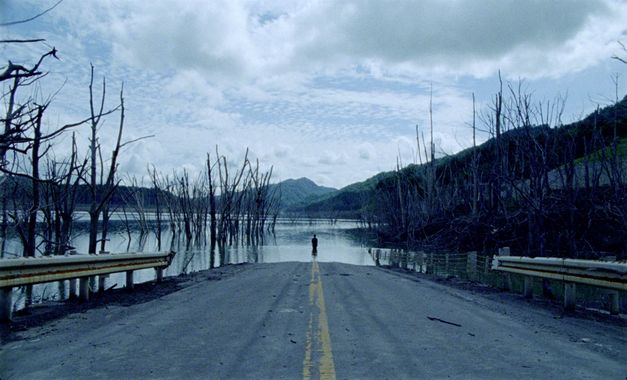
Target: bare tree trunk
30	245
498	109
95	207
31	239
212	204
475	163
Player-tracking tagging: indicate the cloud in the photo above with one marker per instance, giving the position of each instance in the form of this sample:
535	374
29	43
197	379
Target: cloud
452	36
406	31
189	83
366	151
244	40
282	151
332	158
210	37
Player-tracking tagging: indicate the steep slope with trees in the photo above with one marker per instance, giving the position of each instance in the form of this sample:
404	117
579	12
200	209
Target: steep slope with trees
538	186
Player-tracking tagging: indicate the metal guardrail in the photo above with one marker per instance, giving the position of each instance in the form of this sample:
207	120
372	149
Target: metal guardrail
609	275
28	271
603	274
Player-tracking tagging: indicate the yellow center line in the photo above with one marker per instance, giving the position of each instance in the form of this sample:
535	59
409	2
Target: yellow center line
318	342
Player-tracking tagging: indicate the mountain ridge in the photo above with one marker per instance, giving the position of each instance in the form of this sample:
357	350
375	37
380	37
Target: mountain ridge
300	191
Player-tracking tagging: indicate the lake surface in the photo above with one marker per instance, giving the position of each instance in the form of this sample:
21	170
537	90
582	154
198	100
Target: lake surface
291	241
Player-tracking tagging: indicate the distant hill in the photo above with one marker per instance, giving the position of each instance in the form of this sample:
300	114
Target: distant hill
345	202
294	192
297	192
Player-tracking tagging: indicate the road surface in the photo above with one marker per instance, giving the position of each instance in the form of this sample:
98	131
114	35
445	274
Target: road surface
319	320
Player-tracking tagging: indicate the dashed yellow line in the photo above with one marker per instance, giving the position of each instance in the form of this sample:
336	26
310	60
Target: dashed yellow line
318	340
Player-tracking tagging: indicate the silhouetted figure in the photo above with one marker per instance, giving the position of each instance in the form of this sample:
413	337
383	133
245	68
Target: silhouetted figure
314	245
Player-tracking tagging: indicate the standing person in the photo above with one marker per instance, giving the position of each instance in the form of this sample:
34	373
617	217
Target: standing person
314	245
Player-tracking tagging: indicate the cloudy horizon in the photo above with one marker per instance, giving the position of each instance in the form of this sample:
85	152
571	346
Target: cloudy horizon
329	90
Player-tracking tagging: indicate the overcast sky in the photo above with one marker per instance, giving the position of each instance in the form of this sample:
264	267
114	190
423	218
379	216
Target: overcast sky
330	90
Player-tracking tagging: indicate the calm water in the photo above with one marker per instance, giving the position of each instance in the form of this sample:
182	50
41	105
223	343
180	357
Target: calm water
290	242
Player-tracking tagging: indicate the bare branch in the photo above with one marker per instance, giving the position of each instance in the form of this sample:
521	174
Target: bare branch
14	71
135	140
616	57
22	41
72	125
31	18
24	175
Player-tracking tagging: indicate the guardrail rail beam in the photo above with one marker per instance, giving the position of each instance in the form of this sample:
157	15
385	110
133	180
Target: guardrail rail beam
602	274
29	271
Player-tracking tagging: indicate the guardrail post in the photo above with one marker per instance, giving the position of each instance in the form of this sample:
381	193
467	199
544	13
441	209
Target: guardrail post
528	287
413	261
421	261
6	303
101	283
507	279
61	289
83	288
570	295
614	296
129	279
404	259
102	279
471	264
72	289
159	272
92	284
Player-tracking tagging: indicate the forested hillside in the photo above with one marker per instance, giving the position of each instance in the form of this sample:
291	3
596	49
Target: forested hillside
538	186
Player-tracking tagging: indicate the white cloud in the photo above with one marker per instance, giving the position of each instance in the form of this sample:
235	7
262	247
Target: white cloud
243	40
210	37
282	151
366	151
332	158
464	37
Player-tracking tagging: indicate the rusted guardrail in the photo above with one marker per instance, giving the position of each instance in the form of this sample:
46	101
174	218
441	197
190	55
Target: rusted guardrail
603	274
28	271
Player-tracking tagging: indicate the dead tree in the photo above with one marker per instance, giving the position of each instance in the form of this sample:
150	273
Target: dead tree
99	197
498	151
18	117
230	198
212	200
102	191
157	187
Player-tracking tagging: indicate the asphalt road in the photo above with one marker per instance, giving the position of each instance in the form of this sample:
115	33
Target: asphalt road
319	320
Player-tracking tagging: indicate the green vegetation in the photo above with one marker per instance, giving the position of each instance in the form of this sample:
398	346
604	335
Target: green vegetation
621	151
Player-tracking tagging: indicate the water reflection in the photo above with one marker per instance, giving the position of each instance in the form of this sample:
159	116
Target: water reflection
290	242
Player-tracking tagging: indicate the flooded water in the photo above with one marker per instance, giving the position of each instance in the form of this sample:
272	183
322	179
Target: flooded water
291	241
